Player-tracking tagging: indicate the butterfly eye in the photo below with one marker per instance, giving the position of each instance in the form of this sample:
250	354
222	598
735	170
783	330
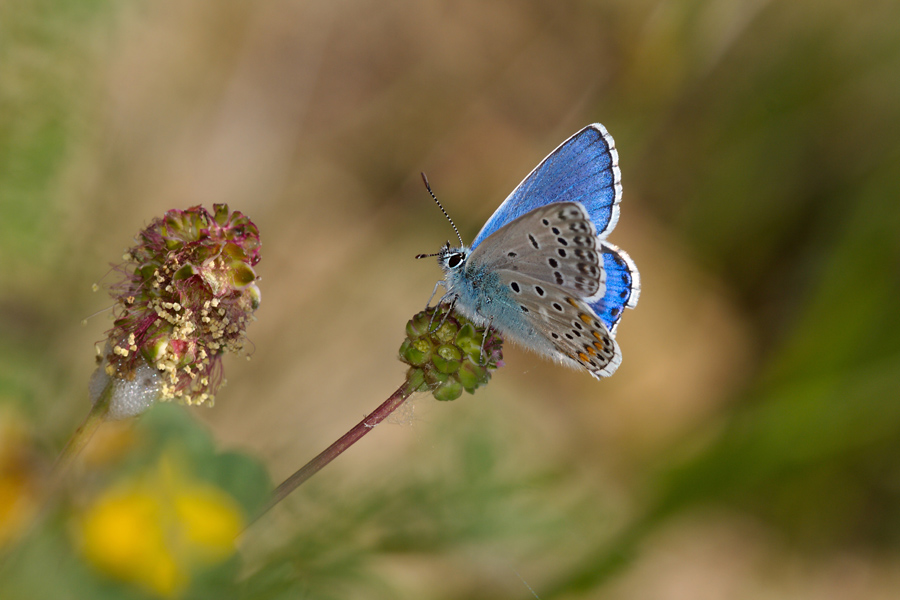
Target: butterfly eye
454	260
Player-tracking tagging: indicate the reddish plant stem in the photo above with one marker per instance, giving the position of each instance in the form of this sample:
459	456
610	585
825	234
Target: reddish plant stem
334	450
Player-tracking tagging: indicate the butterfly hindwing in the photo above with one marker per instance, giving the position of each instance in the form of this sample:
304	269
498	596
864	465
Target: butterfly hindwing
623	285
554	244
584	169
567	328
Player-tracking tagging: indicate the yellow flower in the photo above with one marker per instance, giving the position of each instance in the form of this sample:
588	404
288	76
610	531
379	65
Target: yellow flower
154	530
19	485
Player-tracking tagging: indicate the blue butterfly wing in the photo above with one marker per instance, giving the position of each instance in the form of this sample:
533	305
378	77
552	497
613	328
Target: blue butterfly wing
623	285
584	168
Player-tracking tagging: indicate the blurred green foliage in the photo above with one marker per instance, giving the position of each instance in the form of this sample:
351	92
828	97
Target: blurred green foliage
45	106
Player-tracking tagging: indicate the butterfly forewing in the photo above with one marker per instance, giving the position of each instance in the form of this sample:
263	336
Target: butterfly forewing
584	169
555	244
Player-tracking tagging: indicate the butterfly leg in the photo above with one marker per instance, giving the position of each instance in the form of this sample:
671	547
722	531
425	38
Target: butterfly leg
483	340
446	314
433	292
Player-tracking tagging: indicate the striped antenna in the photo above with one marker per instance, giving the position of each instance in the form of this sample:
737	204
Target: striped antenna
436	201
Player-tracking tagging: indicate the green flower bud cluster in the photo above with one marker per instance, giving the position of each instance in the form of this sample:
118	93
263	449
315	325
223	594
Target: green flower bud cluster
447	353
187	295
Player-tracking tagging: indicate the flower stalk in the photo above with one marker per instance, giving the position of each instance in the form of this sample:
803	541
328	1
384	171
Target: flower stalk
446	353
337	448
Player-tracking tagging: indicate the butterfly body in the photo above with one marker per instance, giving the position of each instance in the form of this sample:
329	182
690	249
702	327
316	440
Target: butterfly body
485	299
541	271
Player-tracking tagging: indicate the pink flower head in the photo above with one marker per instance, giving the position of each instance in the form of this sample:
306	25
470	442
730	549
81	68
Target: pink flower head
187	294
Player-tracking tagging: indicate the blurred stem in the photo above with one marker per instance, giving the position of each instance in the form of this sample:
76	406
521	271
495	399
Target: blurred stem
335	449
85	431
72	449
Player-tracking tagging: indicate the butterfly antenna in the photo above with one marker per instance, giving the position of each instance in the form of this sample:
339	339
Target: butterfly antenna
436	201
443	251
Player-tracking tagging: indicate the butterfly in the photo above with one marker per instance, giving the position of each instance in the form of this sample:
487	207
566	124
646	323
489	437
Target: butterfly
541	271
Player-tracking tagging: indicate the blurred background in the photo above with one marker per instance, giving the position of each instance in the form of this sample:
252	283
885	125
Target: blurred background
748	445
